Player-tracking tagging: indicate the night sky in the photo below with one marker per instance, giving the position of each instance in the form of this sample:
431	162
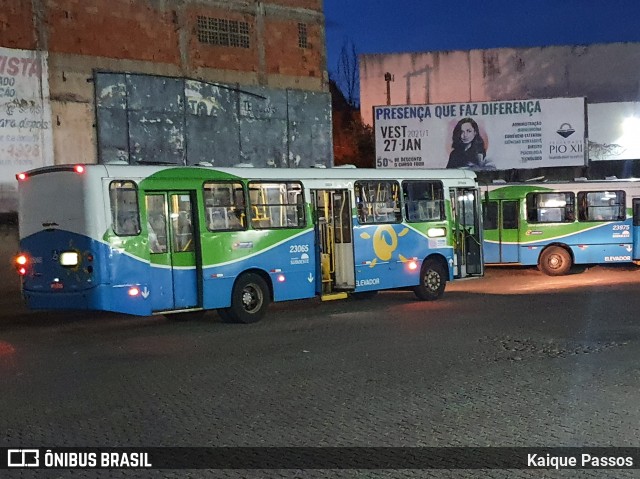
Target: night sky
389	26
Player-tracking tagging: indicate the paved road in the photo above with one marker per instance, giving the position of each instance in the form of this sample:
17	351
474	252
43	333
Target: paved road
513	359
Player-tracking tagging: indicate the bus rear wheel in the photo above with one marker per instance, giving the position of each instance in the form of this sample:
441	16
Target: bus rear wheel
249	300
432	281
555	261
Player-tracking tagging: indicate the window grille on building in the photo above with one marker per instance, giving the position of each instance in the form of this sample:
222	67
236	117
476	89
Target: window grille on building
223	32
302	35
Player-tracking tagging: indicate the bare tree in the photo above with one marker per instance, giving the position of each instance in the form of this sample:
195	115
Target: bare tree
348	74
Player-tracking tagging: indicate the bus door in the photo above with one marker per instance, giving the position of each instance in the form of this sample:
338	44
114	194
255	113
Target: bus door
334	232
501	223
467	234
636	228
174	256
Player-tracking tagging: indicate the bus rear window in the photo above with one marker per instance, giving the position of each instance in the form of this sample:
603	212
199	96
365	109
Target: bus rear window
125	213
550	207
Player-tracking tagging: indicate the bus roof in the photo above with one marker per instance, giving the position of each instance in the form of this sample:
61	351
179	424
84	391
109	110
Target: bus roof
144	171
575	182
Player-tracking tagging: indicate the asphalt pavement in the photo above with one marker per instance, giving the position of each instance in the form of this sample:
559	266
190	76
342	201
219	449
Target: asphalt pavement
515	359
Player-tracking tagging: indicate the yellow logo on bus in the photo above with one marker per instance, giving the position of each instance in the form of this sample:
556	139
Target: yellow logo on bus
385	242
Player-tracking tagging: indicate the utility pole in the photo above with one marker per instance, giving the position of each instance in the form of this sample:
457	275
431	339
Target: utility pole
388	77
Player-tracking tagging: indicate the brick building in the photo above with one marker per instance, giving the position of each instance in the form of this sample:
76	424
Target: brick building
159	81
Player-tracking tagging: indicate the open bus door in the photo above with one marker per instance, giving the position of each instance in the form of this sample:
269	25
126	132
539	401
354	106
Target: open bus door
334	233
173	251
501	224
467	232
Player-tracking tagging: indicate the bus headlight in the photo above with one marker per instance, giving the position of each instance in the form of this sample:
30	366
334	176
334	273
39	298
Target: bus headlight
69	258
436	232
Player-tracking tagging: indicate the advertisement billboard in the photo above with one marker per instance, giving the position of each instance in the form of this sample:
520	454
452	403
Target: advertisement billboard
482	135
25	119
614	131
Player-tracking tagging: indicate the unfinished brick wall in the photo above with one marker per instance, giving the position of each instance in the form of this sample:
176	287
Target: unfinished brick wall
285	57
232	58
116	29
14	17
166	33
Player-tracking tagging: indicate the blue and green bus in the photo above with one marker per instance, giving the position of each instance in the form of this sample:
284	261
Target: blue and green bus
555	225
148	240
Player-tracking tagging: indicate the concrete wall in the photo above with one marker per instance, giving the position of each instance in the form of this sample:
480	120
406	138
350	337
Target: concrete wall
601	73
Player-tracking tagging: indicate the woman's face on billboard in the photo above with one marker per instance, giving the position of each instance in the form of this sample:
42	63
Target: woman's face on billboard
467	133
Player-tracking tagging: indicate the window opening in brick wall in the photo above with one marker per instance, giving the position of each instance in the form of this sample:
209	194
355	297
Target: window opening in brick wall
302	35
223	32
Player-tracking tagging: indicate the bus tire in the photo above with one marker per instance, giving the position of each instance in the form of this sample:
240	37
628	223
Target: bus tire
249	299
433	278
555	261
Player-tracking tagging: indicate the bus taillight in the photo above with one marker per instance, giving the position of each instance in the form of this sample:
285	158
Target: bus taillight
79	169
21	264
22	176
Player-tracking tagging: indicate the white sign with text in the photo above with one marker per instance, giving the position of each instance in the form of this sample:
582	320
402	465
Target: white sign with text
482	135
25	119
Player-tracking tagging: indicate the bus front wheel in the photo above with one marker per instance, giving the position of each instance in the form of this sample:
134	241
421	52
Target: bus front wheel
249	299
555	261
433	279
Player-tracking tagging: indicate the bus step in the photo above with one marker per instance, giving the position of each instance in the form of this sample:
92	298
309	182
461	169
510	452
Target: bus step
332	296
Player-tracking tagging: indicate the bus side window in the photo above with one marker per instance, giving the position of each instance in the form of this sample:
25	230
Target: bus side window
423	200
125	214
378	201
276	204
602	205
550	207
224	205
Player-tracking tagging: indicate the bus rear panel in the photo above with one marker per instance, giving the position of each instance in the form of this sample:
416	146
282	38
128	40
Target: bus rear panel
70	263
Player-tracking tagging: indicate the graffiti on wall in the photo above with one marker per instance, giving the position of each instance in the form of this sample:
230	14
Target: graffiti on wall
25	119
